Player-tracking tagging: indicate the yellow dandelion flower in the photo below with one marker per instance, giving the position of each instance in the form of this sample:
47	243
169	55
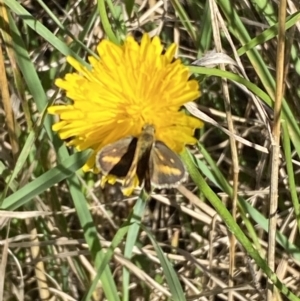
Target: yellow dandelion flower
128	87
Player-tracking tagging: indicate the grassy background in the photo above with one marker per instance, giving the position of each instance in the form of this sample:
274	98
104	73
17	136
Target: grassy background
61	233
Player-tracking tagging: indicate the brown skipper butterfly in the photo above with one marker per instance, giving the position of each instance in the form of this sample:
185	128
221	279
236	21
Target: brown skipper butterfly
150	160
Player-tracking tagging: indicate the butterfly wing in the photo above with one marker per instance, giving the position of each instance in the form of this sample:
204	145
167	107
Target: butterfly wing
116	158
166	168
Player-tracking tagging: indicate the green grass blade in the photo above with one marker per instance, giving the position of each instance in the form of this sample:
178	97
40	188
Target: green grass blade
129	4
234	228
45	181
64	29
219	180
287	114
6	176
169	272
107	257
30	75
216	177
105	22
41	29
184	19
290	171
20	161
234	77
135	222
290	248
91	237
266	9
205	36
268	34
